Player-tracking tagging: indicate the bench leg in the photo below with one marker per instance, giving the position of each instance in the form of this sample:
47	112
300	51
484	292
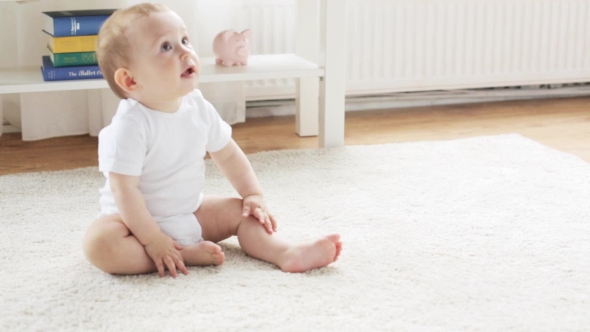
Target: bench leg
307	46
333	85
307	106
1	117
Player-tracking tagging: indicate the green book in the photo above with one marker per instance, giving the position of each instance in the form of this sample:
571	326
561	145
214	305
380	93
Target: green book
72	59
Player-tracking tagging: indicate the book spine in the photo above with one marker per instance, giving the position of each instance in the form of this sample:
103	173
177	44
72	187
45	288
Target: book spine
77	25
74	59
74	44
71	73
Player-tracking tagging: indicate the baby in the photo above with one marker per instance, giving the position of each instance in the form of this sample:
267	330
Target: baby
154	216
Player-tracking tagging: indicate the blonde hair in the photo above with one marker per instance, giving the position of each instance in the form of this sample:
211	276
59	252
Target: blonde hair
113	47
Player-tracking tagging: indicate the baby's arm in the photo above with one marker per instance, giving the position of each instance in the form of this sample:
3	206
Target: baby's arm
234	164
160	247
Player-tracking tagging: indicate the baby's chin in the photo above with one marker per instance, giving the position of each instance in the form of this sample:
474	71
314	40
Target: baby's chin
191	85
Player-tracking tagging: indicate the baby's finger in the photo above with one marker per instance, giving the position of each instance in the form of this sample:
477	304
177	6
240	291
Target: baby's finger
246	211
160	267
170	264
267	225
180	265
177	246
273	221
258	213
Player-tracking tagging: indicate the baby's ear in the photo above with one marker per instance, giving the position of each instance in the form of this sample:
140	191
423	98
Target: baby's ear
125	80
247	33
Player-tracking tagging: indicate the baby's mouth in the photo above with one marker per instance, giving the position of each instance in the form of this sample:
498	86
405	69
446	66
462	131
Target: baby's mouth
190	72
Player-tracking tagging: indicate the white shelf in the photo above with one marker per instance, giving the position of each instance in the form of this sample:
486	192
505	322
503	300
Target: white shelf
260	67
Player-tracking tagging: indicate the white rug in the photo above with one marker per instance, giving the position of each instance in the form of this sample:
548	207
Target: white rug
482	234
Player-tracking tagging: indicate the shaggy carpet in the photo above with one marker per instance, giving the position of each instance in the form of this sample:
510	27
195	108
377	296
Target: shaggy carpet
479	234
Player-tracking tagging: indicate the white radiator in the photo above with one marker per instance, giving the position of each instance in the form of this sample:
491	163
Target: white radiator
420	45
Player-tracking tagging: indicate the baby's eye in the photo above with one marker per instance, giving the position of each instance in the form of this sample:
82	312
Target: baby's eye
166	47
185	41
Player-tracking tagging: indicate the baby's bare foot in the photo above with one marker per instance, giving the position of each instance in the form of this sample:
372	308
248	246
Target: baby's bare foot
309	256
203	253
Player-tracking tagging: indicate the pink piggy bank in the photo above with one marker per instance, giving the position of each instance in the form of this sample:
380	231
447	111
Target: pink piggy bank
232	48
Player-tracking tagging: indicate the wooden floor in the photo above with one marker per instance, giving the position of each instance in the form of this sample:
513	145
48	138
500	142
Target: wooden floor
563	124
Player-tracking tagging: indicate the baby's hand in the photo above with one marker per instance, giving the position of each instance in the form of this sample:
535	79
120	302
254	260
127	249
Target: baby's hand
164	250
254	205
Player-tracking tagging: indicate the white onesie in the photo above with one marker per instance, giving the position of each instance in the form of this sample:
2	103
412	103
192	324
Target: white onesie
166	150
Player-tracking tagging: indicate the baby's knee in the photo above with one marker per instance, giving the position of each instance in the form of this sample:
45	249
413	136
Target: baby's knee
98	243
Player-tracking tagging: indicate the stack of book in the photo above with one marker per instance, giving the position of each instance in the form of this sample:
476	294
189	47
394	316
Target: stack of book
72	39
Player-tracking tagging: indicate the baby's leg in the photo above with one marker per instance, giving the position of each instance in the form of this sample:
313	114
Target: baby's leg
221	218
110	246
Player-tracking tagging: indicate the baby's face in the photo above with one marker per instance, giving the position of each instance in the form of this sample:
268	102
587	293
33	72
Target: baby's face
163	62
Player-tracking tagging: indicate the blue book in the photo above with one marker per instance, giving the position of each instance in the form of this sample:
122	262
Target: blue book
75	22
51	73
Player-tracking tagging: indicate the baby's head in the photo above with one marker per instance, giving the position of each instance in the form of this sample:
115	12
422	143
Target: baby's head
144	53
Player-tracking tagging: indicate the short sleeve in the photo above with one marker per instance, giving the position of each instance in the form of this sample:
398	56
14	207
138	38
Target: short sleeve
122	147
219	133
